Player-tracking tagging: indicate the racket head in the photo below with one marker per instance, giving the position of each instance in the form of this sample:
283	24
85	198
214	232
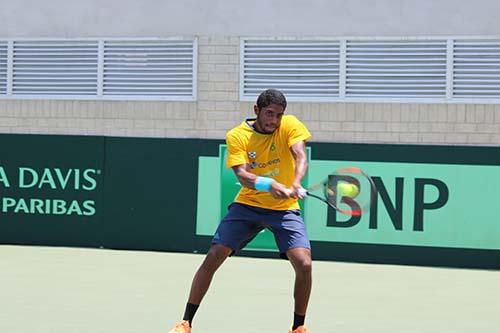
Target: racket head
349	190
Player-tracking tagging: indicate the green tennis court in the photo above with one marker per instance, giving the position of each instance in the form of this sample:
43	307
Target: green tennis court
62	290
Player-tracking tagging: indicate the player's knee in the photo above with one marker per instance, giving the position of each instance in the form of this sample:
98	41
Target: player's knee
215	256
306	266
303	266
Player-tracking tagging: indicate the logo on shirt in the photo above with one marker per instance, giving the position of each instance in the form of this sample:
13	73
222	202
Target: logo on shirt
273	173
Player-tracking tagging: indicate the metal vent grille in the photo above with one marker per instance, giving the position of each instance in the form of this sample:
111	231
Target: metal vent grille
149	68
3	68
476	68
57	67
396	69
299	68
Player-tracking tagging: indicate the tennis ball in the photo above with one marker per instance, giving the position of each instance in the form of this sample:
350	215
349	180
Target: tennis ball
348	190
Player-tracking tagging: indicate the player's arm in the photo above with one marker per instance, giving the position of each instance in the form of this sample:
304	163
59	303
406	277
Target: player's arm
248	179
300	156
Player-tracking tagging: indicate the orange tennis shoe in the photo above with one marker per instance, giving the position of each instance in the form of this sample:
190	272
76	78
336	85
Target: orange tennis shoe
300	329
181	327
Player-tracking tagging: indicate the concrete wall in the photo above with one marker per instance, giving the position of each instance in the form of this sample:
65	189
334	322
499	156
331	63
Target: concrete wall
152	18
218	25
218	109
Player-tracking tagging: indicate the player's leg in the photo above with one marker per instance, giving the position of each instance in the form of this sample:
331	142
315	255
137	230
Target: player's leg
233	233
200	284
300	258
201	281
292	240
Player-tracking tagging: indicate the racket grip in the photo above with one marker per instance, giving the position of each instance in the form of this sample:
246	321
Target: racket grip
303	192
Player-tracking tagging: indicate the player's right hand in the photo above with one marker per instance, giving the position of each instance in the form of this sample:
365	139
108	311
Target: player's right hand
280	191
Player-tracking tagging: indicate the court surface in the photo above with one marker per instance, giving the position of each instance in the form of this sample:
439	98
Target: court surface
70	290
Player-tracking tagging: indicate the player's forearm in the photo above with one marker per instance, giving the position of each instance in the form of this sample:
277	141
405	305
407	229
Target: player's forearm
247	179
266	184
300	157
301	166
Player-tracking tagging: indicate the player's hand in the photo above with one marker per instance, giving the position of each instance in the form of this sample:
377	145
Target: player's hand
298	192
280	191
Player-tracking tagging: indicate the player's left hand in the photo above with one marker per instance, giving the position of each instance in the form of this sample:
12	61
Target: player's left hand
298	192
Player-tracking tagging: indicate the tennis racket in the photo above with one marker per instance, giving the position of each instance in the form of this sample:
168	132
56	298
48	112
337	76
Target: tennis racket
348	190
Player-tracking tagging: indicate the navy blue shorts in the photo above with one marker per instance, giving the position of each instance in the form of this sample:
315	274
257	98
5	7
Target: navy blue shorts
242	223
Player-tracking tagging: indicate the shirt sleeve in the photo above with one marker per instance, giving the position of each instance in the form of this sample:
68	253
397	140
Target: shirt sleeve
236	151
297	131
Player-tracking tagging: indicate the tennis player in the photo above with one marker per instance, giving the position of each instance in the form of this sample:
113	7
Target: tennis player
268	155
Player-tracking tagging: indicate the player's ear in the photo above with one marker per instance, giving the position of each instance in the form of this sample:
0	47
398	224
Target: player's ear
256	110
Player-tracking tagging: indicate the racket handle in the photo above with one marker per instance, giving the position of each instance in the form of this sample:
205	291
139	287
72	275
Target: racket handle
303	192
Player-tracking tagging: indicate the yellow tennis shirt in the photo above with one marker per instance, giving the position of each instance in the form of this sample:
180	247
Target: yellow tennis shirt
268	155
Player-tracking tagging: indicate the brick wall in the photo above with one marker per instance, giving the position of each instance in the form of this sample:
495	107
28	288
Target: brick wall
218	108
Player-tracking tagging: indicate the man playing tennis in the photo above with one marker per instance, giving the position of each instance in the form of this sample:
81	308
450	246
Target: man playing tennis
268	155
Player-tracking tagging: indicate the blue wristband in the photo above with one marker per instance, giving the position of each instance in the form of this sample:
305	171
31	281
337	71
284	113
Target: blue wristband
263	184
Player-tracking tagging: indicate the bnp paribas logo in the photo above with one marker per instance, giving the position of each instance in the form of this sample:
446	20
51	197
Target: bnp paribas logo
273	147
30	190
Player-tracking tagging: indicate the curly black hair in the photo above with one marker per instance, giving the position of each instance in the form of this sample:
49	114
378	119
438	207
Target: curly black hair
271	96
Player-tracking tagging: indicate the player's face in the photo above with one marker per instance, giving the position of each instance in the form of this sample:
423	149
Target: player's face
268	118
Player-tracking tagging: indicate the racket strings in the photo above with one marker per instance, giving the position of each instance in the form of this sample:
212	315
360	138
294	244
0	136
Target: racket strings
348	200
